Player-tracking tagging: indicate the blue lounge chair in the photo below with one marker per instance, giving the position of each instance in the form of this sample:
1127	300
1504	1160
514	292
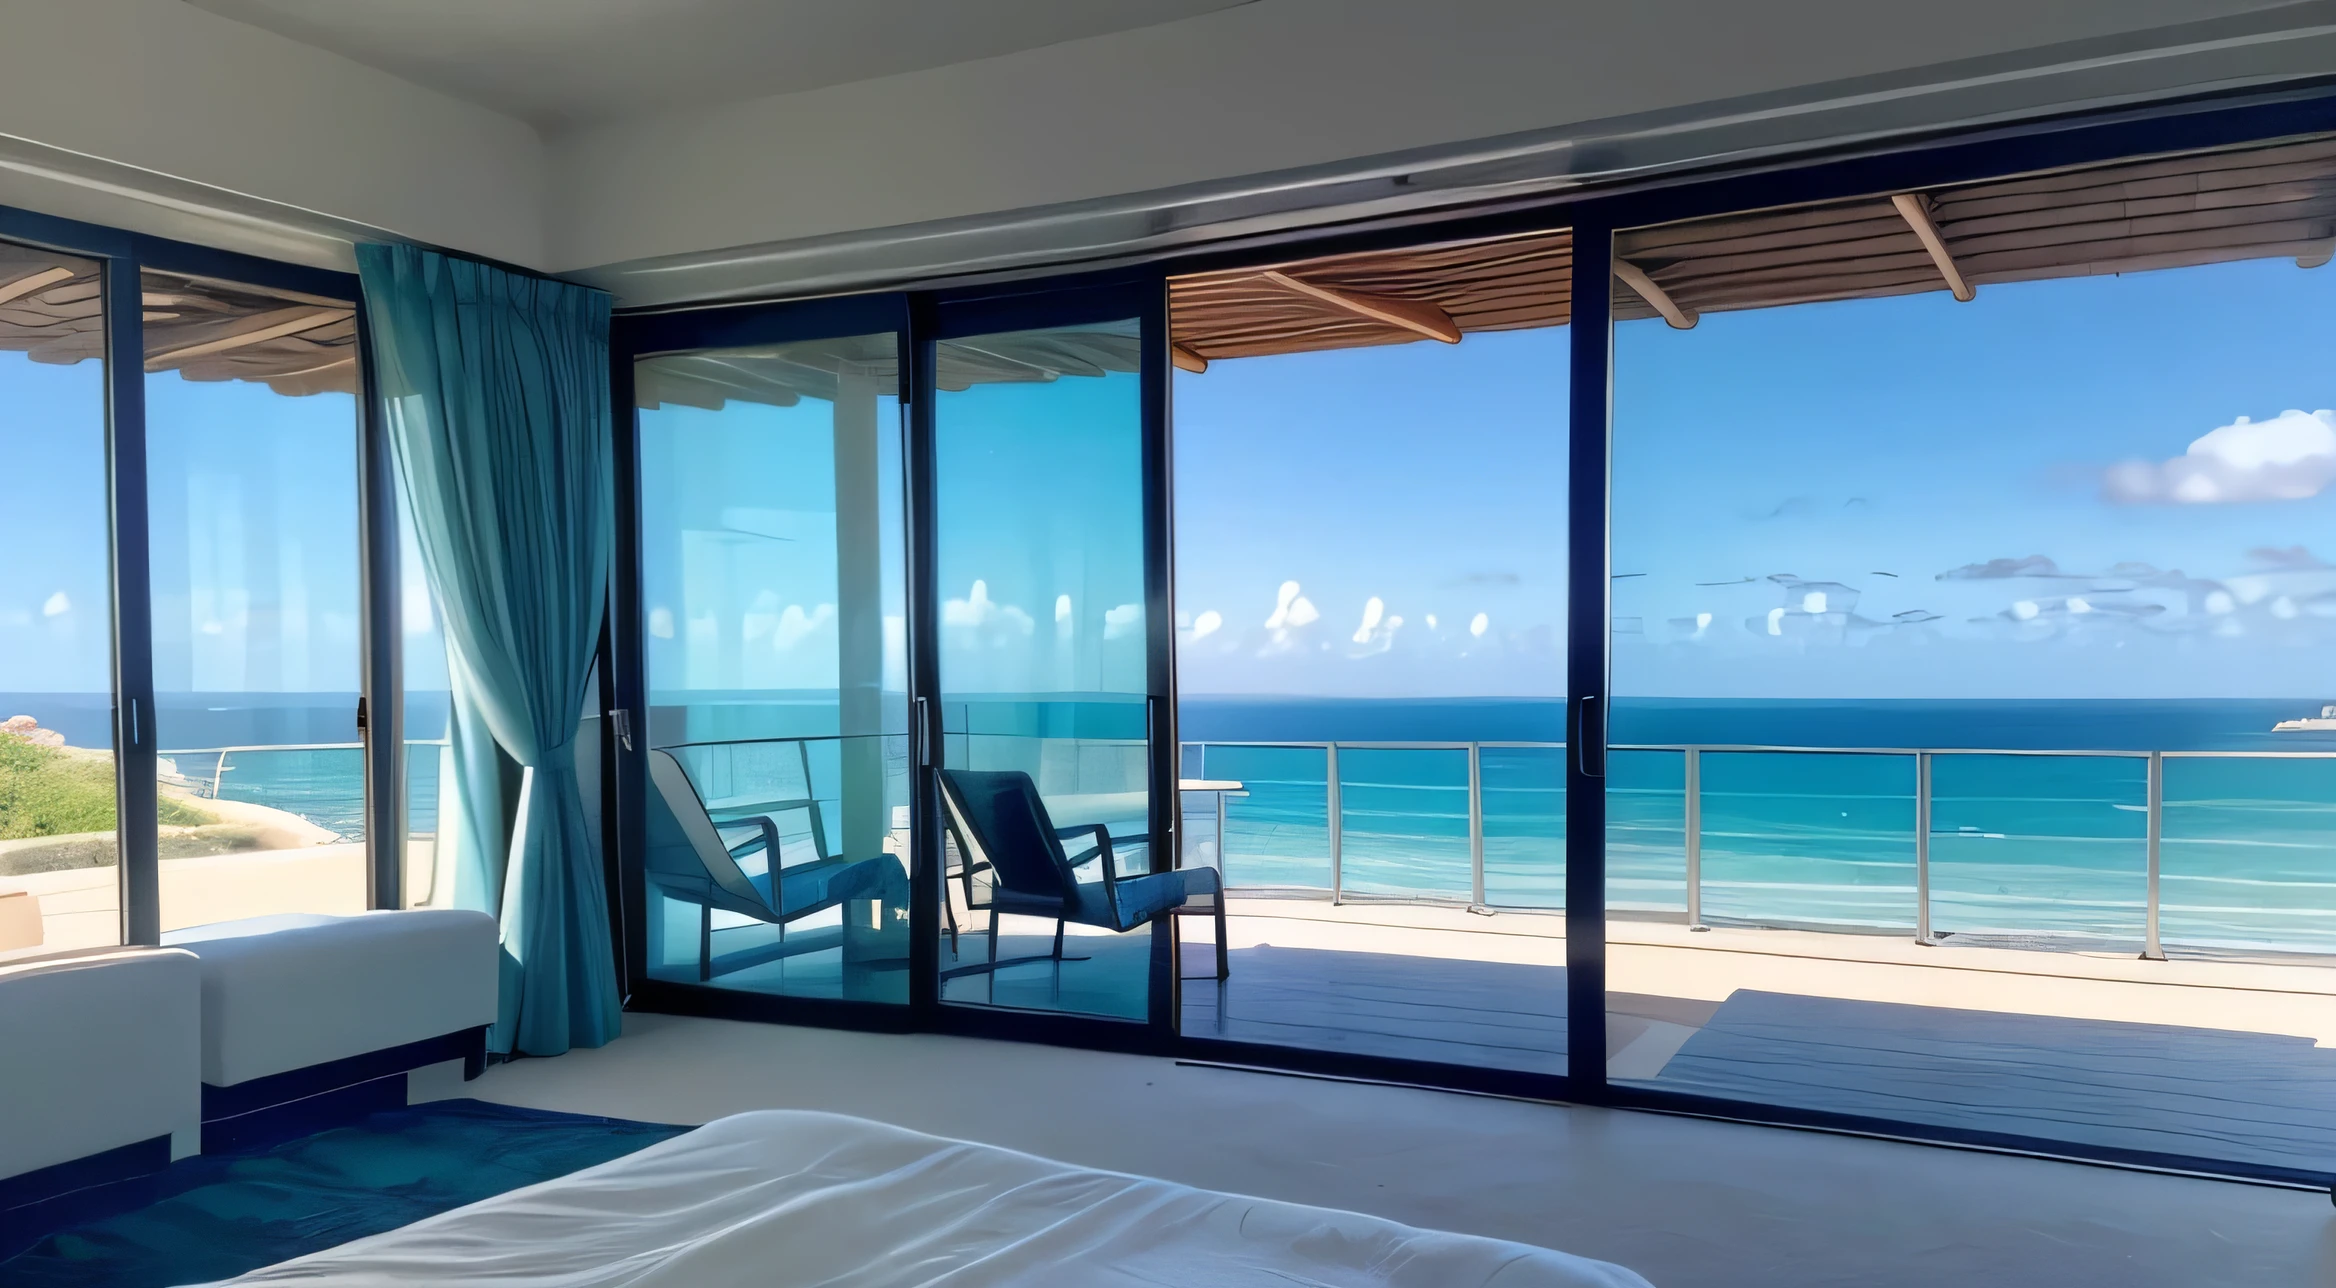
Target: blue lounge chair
712	874
1000	824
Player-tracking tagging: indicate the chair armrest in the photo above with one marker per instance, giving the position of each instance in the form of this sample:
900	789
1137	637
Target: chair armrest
1101	849
768	839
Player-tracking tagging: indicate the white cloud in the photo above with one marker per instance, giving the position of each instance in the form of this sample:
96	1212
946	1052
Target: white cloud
978	612
1062	608
794	624
2287	458
1290	608
1373	610
1479	624
1207	623
661	623
56	605
1124	620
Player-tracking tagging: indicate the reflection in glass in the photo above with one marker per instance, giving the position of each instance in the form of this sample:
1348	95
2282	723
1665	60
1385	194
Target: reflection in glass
252	492
771	494
1038	498
59	859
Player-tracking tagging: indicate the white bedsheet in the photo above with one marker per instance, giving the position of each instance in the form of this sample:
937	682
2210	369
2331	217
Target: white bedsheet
787	1198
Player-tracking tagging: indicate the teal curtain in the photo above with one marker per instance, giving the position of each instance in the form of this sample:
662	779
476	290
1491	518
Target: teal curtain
494	389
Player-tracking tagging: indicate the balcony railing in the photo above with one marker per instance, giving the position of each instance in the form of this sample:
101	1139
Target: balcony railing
1693	796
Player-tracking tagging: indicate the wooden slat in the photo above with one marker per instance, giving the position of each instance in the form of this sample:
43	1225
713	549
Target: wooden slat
2277	199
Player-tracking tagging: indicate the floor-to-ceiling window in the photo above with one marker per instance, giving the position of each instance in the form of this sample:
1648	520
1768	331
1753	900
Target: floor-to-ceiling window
252	441
1045	670
773	580
1973	604
60	878
1370	546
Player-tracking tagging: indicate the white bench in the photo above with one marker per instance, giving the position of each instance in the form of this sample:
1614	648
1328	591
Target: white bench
100	1057
309	1018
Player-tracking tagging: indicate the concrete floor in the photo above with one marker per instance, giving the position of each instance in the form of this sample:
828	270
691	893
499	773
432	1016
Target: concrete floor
1686	1203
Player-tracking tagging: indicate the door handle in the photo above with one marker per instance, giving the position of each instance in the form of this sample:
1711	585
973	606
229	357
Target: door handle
1588	737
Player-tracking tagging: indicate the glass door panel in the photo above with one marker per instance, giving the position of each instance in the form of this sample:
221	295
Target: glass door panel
251	415
1371	621
60	870
773	575
1972	579
1045	666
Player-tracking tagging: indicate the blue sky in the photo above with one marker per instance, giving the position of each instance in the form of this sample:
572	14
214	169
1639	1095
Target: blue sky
253	508
2046	492
1906	497
55	630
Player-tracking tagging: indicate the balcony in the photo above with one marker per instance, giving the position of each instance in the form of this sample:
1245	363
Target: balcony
2076	945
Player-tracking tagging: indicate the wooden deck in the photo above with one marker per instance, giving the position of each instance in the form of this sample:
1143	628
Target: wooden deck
1489	1014
2255	1098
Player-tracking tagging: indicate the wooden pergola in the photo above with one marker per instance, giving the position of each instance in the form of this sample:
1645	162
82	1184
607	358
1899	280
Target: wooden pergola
2277	201
781	375
51	311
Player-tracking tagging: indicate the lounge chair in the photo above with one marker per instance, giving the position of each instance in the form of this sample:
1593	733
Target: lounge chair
1000	825
711	875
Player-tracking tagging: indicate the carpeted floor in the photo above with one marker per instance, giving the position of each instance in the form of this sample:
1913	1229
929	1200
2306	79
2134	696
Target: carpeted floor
218	1216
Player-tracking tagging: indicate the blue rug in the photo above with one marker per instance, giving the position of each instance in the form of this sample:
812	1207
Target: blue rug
217	1216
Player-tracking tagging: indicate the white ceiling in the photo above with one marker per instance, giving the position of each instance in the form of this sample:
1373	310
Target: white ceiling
558	63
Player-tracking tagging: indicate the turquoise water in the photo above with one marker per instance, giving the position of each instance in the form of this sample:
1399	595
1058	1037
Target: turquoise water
2049	849
2021	846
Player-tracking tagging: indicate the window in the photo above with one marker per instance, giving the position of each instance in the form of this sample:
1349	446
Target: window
777	665
1370	492
60	878
1973	595
1045	654
251	428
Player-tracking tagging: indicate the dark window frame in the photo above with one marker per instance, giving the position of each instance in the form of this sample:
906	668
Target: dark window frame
2177	125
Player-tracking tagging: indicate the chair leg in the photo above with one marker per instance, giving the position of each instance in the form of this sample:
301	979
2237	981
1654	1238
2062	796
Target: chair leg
993	936
705	942
1224	962
1058	940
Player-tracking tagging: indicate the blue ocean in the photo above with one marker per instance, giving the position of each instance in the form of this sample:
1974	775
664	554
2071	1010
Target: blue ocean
2023	848
2048	850
303	756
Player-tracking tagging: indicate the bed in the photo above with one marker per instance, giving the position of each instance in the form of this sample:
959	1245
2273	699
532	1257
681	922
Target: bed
785	1197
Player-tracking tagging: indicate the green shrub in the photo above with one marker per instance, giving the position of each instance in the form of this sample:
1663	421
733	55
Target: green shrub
49	791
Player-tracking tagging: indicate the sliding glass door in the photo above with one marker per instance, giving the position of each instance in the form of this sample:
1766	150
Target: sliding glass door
254	537
60	849
773	579
1052	678
1972	598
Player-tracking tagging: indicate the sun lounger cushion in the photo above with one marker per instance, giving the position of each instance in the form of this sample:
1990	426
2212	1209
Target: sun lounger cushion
288	992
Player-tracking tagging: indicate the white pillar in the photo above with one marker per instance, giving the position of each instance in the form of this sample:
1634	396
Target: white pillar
859	576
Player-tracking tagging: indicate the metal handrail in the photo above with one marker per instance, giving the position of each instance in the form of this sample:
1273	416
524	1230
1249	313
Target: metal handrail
805	737
1692	790
219	767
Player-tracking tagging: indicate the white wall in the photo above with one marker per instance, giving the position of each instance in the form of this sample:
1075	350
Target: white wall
1267	86
289	133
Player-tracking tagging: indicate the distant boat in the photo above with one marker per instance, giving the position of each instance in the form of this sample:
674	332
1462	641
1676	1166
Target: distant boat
2325	721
